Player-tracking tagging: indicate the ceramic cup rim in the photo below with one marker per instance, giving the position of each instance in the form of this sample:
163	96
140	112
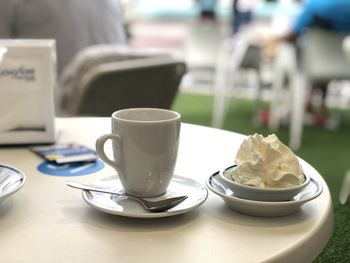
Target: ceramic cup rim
168	115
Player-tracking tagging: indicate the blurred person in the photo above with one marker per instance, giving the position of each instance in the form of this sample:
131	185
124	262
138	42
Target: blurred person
242	13
207	8
326	14
74	24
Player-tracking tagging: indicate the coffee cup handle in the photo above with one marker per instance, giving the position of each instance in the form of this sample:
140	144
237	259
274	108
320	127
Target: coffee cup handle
100	143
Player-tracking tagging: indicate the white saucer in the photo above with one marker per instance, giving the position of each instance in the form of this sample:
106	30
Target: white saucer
124	206
260	208
11	180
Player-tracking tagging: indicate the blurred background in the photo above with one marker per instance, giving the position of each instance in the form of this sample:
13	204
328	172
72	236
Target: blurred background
205	42
238	65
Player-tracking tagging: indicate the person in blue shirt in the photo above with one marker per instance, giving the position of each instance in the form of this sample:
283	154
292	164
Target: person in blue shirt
328	14
242	13
331	15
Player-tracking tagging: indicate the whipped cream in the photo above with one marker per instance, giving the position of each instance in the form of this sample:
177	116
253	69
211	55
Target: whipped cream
266	162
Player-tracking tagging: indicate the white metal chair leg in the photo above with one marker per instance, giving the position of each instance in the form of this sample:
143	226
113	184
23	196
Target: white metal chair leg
219	103
299	92
277	85
285	65
253	83
345	189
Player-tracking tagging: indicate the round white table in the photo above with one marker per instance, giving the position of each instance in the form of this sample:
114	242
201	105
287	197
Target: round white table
46	221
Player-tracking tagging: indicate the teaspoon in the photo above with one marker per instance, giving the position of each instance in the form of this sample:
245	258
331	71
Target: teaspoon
152	206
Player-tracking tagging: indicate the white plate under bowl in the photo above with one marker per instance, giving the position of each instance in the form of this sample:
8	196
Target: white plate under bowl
263	208
11	180
124	206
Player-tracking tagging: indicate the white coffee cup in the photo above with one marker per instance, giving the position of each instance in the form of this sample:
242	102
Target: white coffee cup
145	145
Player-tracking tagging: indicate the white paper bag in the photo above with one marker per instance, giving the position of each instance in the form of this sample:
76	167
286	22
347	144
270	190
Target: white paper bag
27	80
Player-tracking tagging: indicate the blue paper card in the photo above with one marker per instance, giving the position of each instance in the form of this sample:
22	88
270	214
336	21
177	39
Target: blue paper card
65	153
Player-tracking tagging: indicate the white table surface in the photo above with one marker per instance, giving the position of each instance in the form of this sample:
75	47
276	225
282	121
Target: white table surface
46	221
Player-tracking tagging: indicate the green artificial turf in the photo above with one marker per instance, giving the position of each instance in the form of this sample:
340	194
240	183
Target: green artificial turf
327	151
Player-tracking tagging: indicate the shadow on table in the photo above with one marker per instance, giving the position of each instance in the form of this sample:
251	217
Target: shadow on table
224	213
5	206
128	224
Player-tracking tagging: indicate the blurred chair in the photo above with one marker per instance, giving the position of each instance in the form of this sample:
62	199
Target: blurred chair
202	42
237	57
106	78
321	60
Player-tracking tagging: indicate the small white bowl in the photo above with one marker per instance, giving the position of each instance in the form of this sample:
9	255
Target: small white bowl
261	194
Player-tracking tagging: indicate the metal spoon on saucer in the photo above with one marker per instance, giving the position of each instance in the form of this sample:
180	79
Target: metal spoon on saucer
152	206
